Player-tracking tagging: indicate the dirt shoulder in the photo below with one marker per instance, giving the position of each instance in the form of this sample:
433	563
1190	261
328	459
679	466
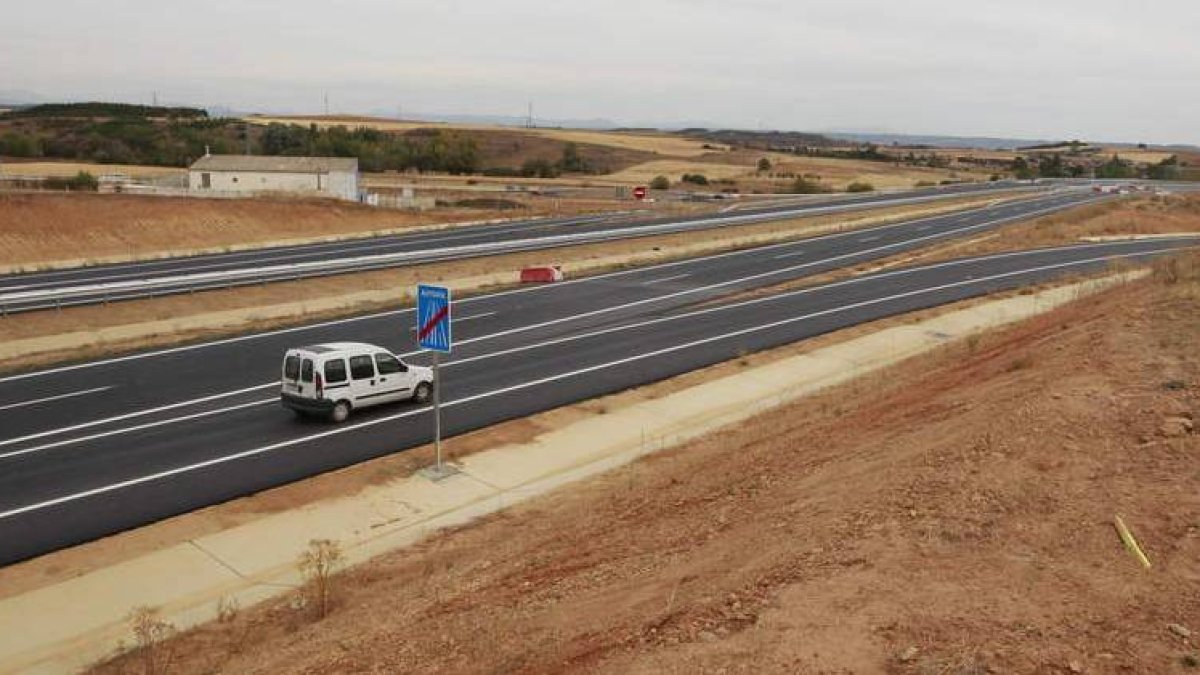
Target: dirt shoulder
46	337
952	514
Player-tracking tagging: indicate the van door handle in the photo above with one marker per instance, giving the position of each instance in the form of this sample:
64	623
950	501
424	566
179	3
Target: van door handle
383	379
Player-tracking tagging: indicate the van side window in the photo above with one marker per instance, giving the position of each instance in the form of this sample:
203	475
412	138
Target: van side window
388	364
306	370
335	371
291	367
361	367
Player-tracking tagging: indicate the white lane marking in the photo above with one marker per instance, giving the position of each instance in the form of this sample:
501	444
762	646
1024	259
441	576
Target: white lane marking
745	303
793	254
47	399
139	413
543	324
472	317
477	298
136	427
496	392
662	279
500	333
866	239
730	282
581	336
922	228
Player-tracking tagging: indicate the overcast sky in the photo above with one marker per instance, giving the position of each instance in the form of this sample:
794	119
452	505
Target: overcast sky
1091	69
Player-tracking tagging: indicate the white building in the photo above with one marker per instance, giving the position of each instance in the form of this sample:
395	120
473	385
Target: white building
309	176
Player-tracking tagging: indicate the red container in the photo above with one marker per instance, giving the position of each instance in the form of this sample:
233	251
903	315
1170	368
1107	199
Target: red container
543	274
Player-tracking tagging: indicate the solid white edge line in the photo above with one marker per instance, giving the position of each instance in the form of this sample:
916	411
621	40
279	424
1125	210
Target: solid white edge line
525	385
477	298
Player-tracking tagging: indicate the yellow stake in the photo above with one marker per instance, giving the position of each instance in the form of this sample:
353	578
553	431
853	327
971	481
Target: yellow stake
1130	543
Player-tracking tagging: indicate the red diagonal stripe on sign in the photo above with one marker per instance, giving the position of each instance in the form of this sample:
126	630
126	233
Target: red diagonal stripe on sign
428	328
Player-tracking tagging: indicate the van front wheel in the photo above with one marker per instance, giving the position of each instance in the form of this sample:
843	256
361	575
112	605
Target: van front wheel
422	393
340	412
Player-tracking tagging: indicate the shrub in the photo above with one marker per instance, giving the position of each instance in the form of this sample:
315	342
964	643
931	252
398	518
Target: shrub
317	565
660	183
859	186
694	178
804	186
764	164
539	168
82	181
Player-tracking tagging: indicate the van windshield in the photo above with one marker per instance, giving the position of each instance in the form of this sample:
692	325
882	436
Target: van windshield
291	367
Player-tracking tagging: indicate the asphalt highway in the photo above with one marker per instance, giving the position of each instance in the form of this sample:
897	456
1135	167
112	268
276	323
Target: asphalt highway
94	448
106	283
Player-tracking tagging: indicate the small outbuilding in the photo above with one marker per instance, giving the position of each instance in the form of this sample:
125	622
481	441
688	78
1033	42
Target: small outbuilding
335	177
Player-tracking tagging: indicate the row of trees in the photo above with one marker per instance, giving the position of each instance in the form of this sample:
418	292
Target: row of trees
1054	166
437	150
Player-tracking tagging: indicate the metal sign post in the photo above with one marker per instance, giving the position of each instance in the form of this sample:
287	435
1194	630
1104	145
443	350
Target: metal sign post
433	333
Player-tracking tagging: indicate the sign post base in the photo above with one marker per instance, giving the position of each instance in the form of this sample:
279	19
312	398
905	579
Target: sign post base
439	472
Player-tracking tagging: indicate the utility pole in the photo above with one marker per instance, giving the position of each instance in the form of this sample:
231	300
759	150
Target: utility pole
327	104
529	118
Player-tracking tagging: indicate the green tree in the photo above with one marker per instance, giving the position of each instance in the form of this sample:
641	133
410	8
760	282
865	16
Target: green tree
660	183
1115	168
764	164
571	161
1021	169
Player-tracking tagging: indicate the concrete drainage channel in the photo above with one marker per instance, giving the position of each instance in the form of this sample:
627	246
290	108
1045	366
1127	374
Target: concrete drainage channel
256	561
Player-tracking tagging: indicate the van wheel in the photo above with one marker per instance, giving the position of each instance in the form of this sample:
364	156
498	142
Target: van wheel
340	412
422	393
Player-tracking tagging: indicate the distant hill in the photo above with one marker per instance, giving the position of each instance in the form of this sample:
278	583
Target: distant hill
979	142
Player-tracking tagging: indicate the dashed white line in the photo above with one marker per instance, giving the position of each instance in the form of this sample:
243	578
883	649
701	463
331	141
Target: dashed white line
47	399
459	319
662	279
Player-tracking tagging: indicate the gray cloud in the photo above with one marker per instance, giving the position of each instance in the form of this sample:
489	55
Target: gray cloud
1101	69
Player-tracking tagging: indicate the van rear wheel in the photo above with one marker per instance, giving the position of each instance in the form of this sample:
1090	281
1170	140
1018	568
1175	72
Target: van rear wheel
340	412
422	393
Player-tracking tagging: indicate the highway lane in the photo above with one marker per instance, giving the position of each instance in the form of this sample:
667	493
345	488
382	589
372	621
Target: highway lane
188	381
80	490
24	292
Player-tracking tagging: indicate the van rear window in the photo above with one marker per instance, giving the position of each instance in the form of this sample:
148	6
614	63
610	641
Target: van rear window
335	371
306	371
291	367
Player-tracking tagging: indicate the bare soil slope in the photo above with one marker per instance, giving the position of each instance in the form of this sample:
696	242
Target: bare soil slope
38	228
953	515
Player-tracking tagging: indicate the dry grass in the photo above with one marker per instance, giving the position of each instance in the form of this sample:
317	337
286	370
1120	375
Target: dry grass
674	168
663	144
72	229
68	169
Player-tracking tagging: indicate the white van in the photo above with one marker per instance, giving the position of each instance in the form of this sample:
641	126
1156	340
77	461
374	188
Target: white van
333	379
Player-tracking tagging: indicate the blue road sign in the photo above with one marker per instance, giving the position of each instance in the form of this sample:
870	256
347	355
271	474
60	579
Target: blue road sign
433	318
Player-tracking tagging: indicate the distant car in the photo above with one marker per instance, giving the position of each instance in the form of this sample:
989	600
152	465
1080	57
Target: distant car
332	380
